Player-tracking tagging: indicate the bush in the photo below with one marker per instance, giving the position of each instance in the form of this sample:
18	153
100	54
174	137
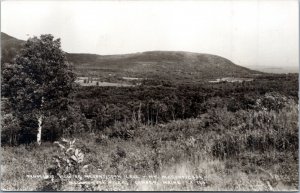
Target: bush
226	147
66	166
122	130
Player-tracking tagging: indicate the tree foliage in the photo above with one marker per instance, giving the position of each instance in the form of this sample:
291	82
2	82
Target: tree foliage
39	82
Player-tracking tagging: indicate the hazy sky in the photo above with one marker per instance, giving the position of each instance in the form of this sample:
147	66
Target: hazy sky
248	32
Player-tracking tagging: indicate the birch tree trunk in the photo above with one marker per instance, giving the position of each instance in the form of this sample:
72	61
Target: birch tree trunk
40	121
39	134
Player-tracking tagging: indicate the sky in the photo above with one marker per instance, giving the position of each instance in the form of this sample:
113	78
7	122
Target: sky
250	33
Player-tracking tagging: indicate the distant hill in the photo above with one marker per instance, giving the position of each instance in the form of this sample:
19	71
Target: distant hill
159	64
179	65
10	46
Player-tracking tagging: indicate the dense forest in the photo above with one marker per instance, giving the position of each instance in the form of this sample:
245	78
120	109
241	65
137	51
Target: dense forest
157	101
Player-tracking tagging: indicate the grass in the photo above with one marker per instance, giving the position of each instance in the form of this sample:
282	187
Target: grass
254	150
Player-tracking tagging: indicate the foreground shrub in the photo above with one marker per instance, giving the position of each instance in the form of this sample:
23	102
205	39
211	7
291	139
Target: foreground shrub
66	166
261	131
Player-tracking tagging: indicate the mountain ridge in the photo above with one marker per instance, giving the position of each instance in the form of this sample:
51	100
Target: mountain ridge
179	65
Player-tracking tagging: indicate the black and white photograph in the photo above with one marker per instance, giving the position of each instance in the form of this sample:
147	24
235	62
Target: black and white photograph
149	95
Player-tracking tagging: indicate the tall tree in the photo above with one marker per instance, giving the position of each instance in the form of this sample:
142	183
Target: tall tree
39	81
